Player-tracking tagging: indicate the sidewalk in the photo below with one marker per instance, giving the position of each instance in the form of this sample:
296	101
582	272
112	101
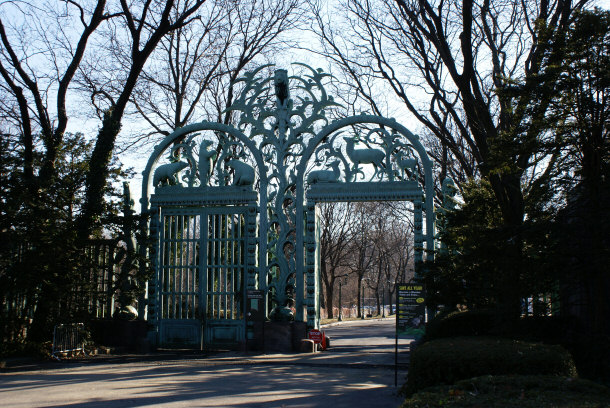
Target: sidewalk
357	321
337	355
357	371
326	358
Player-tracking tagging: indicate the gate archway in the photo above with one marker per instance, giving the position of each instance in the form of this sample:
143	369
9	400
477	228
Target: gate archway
232	208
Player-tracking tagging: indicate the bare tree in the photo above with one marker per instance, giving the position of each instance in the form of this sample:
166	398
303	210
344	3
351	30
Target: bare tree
400	251
190	77
369	243
479	76
335	241
182	70
37	65
392	235
143	25
41	56
42	50
362	250
379	228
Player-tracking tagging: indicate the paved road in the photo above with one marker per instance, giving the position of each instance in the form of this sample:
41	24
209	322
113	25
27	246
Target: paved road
358	372
373	340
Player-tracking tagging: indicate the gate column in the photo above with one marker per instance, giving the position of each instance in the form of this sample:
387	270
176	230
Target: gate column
312	267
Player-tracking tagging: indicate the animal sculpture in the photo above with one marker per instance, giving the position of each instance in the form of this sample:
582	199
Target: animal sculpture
244	173
167	174
364	156
282	91
206	158
407	165
325	176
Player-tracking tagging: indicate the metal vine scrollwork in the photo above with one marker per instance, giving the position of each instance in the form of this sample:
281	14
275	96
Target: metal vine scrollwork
283	141
385	153
202	162
282	131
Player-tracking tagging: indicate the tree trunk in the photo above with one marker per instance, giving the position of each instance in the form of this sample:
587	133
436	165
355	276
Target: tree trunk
508	192
359	315
98	175
378	302
329	301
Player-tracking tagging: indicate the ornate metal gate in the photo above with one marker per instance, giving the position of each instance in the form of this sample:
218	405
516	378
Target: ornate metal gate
233	207
200	275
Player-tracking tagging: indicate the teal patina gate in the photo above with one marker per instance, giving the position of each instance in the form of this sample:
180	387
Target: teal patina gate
233	208
201	269
202	252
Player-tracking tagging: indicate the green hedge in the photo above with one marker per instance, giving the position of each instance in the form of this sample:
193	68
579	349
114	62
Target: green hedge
513	392
454	324
445	361
548	329
592	357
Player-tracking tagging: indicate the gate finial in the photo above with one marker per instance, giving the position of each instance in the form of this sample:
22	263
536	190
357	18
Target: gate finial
281	86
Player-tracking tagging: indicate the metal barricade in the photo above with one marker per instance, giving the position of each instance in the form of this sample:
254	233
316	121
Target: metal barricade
68	338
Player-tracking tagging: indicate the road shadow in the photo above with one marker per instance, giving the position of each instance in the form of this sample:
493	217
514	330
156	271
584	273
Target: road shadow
188	384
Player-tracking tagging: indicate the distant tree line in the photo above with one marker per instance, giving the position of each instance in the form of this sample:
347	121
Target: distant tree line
368	247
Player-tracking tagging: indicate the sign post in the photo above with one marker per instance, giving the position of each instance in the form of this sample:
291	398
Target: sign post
255	311
410	315
318	337
410	310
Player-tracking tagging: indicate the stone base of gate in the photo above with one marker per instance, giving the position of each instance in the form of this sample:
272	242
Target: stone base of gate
278	337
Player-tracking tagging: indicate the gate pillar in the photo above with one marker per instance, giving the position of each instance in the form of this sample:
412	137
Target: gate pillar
312	266
418	238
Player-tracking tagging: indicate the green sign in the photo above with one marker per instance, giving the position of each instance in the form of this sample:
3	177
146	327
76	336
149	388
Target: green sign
410	310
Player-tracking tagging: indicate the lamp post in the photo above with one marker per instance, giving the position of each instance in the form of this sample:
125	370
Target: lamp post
363	279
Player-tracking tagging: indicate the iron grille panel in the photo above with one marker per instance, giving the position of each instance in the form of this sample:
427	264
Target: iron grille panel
180	277
226	265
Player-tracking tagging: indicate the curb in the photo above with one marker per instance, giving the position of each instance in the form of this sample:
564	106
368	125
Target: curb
202	360
377	319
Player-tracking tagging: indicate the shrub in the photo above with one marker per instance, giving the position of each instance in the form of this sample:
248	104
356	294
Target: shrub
445	361
592	357
513	392
548	329
468	323
25	349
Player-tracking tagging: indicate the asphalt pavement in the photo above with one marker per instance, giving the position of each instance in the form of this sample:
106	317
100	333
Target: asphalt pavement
357	371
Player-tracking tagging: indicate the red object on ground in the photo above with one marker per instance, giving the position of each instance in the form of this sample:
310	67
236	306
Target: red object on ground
318	337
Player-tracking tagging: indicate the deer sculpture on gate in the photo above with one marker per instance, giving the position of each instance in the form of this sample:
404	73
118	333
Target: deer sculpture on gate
407	165
364	156
325	176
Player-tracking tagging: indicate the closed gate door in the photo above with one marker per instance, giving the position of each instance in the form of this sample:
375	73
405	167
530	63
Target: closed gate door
179	278
200	271
225	266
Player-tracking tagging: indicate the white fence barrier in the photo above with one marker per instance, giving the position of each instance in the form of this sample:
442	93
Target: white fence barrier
68	338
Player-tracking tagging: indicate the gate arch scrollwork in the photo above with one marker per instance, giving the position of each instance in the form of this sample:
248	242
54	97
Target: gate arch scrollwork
285	151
